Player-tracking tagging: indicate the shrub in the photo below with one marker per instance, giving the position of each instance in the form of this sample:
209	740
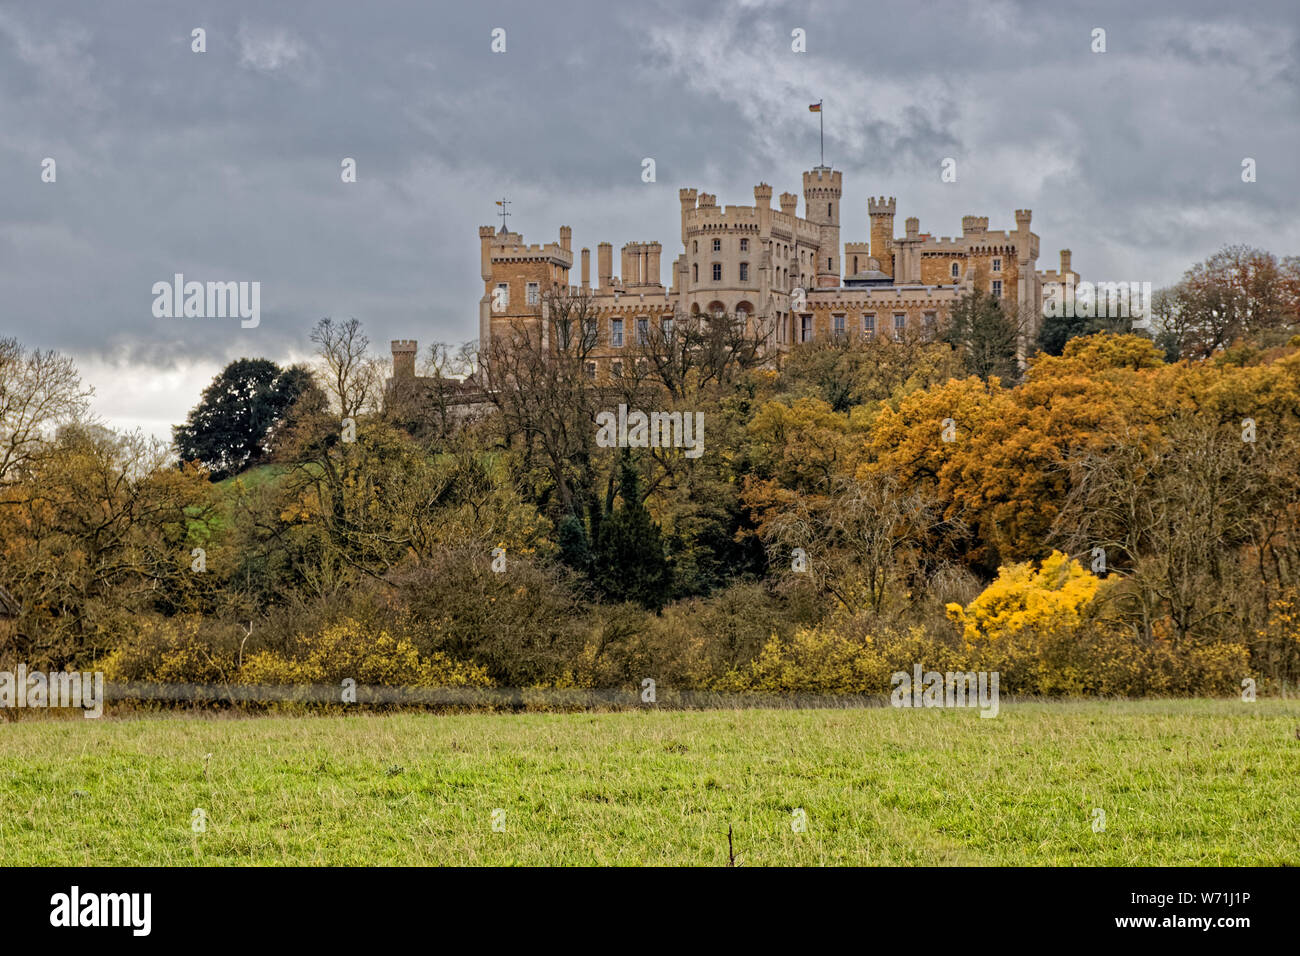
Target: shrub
1053	599
350	649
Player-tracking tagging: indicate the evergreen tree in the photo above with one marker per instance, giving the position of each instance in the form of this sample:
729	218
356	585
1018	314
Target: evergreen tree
628	563
227	430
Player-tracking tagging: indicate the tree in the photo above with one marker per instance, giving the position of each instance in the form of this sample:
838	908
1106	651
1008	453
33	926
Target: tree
629	563
1057	330
227	431
1239	293
351	377
540	384
38	392
988	335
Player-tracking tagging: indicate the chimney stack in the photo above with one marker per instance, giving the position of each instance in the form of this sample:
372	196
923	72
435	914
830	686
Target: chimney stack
605	264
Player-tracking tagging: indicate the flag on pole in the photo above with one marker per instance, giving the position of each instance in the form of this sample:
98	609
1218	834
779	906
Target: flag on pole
815	108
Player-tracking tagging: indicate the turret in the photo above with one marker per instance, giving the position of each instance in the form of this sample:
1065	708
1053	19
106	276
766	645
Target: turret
485	234
404	355
821	194
881	213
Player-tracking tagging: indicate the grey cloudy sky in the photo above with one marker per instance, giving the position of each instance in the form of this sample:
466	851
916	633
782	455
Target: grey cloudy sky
225	165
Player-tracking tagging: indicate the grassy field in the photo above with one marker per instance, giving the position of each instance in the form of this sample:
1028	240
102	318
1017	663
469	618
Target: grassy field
1180	782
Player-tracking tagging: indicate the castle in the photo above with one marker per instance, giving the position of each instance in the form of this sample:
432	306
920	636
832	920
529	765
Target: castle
783	274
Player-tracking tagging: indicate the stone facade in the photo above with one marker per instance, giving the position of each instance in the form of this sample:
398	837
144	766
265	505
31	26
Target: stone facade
787	274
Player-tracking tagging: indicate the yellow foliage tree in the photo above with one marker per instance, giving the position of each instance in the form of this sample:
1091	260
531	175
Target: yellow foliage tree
1050	600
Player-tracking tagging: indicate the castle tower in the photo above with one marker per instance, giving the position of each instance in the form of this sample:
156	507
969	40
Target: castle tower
881	213
586	268
687	198
821	195
404	357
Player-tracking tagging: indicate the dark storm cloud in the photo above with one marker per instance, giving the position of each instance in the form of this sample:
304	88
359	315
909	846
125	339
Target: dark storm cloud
225	165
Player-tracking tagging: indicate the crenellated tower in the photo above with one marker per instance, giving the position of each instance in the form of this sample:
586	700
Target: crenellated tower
821	194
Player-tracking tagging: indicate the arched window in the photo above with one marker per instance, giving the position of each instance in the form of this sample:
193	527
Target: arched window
695	272
956	270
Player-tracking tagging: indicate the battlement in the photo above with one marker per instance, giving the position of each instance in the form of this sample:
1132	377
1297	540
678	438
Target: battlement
822	182
719	217
963	243
708	200
1023	217
517	250
404	345
881	206
763	194
974	225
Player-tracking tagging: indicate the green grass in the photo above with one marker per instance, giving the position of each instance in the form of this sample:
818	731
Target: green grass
1181	782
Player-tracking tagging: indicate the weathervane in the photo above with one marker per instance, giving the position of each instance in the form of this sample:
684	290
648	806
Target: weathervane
503	202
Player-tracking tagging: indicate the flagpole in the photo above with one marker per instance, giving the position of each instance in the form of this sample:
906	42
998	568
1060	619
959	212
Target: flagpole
821	125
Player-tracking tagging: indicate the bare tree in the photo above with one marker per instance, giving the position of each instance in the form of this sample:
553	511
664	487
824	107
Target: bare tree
858	540
540	380
350	375
38	392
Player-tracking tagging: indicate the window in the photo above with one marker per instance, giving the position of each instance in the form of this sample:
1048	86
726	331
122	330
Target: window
616	333
616	368
717	272
666	324
929	321
997	288
744	272
695	272
534	293
997	265
562	334
588	333
837	322
828	210
591	370
869	323
717	245
830	263
956	270
900	323
501	298
642	331
695	245
744	245
805	328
